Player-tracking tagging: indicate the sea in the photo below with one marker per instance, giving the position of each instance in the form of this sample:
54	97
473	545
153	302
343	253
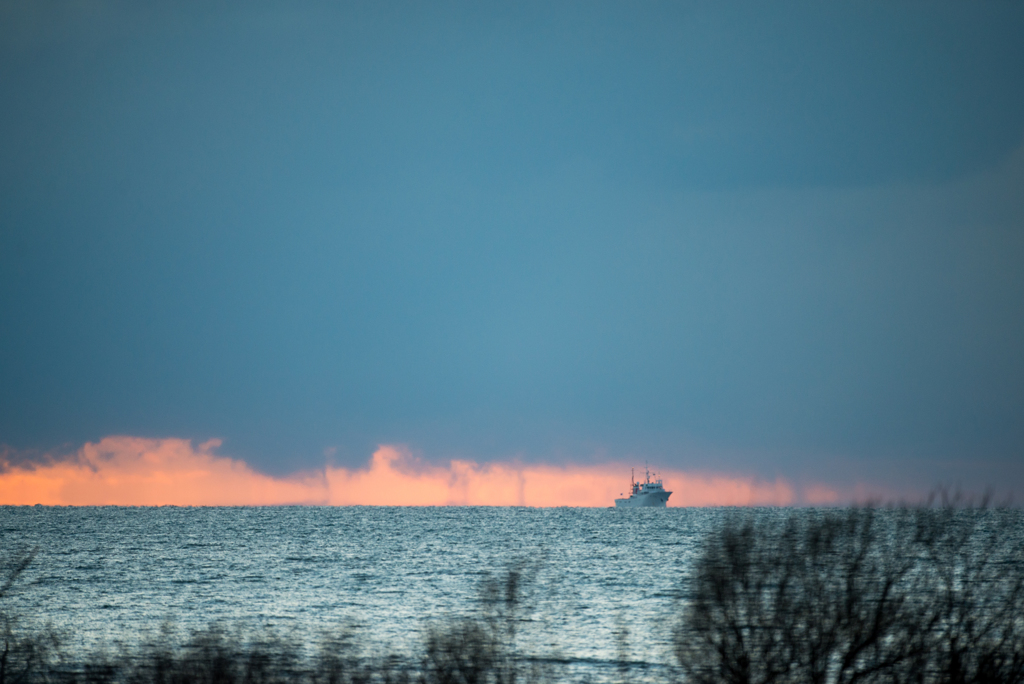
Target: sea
599	586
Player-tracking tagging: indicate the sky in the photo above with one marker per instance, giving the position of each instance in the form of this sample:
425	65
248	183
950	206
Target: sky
504	252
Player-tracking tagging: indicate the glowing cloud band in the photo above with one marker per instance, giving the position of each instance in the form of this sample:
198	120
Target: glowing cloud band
134	471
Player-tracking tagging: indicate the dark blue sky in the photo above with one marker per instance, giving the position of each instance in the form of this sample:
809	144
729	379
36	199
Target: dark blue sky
783	239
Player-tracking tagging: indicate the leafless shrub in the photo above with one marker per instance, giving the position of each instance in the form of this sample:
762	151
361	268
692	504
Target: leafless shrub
210	656
482	649
975	564
339	661
862	595
26	655
476	649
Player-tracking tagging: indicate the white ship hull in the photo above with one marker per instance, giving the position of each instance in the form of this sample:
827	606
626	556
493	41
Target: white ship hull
652	500
646	494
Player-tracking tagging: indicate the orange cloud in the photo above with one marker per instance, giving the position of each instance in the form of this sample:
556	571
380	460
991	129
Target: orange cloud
820	495
132	471
395	478
146	472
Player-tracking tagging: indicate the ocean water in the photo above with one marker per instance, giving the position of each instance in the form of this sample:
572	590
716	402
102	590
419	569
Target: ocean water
604	582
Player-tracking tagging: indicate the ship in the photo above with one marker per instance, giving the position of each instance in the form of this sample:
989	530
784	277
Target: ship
646	494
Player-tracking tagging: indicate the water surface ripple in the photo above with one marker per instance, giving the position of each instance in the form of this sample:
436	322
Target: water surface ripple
108	575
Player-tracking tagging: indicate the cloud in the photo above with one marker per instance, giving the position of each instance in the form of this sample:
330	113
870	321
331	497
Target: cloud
135	471
395	477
